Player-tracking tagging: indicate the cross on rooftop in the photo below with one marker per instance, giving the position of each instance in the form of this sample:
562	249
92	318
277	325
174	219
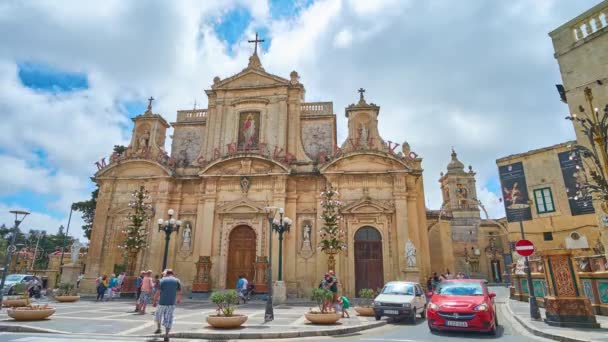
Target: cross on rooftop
256	41
361	91
150	103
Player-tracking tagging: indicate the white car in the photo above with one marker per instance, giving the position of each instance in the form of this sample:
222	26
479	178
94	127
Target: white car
400	299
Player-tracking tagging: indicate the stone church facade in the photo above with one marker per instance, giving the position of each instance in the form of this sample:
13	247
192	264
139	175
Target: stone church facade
259	144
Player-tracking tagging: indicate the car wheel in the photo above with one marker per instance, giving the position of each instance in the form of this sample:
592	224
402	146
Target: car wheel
413	316
423	313
378	317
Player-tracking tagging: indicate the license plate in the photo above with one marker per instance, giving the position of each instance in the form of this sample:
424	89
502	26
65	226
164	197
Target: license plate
391	312
456	324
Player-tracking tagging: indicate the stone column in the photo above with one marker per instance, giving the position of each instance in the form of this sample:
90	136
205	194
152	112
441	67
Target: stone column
402	220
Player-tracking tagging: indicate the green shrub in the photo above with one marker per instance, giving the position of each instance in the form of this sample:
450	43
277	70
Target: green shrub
367	296
321	296
225	301
19	289
67	289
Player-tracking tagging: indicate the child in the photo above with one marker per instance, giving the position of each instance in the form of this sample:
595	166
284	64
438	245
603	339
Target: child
345	304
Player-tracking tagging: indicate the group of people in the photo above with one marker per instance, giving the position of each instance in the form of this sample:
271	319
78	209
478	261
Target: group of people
108	287
340	303
433	282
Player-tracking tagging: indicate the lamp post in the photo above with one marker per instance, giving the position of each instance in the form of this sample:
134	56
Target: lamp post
65	236
270	215
19	217
280	225
169	226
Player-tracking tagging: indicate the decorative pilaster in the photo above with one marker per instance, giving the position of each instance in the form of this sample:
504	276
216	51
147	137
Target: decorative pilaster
261	272
202	282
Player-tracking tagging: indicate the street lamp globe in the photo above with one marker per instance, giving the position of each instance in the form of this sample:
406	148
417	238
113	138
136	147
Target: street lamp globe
160	222
170	212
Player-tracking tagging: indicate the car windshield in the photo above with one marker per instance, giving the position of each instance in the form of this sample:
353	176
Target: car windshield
14	277
398	289
454	288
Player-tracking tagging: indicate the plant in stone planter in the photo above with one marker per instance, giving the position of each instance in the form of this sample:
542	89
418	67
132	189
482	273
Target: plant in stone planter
19	297
365	307
31	313
325	315
225	318
66	293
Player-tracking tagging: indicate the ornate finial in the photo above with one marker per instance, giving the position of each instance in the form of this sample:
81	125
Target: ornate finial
149	110
194	105
216	81
294	77
256	41
361	98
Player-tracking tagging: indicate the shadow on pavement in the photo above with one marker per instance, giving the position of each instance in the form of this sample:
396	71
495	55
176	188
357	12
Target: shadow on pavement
472	335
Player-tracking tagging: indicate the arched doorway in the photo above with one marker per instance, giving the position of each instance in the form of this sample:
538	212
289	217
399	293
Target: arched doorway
369	273
241	255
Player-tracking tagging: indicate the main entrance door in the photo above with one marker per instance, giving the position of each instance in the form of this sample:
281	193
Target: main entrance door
368	259
241	255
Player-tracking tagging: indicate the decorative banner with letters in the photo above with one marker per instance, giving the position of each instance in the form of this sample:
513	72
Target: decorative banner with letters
515	192
578	206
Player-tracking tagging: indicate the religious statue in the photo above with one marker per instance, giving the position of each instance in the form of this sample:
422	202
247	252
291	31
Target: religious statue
75	251
363	136
186	237
306	244
249	131
143	141
405	149
410	253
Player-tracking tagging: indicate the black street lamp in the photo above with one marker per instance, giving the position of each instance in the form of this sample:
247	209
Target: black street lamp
19	217
169	226
281	225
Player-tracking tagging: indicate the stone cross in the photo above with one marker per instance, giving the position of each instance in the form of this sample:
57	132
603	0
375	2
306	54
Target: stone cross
150	103
361	91
256	41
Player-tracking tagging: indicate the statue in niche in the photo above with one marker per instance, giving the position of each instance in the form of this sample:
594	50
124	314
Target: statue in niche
187	237
306	243
462	193
410	253
143	141
363	136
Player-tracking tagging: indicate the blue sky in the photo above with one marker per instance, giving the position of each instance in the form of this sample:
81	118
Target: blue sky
74	77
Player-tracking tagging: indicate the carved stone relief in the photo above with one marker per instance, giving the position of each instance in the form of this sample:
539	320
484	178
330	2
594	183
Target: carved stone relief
317	137
186	145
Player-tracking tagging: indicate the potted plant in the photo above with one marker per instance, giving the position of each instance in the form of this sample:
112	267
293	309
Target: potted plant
20	298
66	293
225	318
325	315
31	313
365	307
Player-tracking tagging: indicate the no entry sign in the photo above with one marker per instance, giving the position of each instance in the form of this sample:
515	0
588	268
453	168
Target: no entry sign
524	248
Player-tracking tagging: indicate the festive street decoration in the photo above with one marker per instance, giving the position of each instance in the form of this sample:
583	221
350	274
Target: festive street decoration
332	238
136	232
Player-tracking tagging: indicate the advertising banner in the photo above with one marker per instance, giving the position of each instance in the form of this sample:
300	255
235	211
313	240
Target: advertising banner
578	206
515	192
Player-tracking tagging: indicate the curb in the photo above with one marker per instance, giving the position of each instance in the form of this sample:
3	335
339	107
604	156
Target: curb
538	332
14	328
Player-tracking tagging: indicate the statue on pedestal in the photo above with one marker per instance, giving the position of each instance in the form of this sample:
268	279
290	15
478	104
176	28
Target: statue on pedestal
410	254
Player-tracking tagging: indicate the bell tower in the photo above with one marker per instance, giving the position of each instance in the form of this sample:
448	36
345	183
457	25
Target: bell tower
363	131
149	134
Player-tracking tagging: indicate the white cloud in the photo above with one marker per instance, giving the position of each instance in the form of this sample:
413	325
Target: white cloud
479	77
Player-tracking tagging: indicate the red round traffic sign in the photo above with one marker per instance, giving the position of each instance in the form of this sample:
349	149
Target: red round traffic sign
524	248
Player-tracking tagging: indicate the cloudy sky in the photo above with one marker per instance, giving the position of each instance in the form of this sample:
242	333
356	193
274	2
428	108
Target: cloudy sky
477	75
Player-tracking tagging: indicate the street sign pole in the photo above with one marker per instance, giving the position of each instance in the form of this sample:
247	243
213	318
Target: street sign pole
534	311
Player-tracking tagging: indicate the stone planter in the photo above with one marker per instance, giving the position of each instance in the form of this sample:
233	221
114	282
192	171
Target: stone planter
12	303
67	299
365	311
226	322
30	315
322	318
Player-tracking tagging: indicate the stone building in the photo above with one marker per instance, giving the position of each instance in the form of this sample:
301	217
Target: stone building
581	50
460	239
538	189
259	144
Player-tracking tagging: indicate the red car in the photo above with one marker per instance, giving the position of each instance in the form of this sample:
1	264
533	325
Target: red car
462	305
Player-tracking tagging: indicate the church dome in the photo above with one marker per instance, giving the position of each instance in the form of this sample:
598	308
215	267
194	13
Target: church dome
455	164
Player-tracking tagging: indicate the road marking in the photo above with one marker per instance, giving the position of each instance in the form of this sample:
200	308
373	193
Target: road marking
141	327
299	321
387	339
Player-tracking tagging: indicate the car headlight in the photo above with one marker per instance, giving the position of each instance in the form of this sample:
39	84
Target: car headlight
433	306
377	304
481	307
406	305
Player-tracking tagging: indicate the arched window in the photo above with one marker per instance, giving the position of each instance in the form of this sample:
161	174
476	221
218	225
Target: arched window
368	234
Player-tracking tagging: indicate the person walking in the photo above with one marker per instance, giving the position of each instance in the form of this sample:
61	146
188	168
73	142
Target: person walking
147	284
344	305
138	282
102	287
112	286
169	294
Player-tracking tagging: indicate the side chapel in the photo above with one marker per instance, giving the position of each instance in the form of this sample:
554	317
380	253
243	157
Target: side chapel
260	144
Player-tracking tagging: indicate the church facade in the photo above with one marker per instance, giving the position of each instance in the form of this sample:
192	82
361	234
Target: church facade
259	144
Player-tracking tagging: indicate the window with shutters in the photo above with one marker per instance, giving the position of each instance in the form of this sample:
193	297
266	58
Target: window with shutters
544	201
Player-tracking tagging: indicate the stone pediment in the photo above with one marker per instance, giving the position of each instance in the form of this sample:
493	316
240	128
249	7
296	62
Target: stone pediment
367	206
241	206
251	165
134	168
365	162
251	78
